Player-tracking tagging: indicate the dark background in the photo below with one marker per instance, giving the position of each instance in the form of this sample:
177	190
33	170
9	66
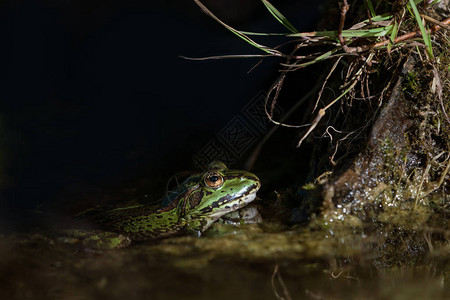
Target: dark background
94	93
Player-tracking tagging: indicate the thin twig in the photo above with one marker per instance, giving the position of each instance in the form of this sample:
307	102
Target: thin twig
316	121
237	32
338	142
344	9
276	86
407	36
411	35
322	111
441	181
418	191
325	82
276	273
225	56
439	92
252	157
430	19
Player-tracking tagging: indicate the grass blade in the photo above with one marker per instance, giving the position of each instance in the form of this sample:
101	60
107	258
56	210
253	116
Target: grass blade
394	32
426	37
237	32
317	59
392	36
370	7
373	32
279	16
263	33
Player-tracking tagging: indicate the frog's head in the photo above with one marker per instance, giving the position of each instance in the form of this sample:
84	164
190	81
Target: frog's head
218	192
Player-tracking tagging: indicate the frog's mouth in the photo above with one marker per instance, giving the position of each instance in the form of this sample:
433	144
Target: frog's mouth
229	204
235	204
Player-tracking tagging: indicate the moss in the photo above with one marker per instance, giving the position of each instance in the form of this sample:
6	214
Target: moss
411	83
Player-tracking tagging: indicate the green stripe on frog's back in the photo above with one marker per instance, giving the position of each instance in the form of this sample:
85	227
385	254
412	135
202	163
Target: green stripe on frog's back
155	225
199	201
143	221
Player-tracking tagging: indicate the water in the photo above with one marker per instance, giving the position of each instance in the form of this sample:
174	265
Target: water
253	262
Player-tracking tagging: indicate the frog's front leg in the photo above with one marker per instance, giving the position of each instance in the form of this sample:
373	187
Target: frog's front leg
96	239
193	227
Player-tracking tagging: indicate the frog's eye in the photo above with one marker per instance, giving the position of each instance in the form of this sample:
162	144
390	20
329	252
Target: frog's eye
213	179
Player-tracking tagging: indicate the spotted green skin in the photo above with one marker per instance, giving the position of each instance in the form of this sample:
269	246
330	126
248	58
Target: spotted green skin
194	206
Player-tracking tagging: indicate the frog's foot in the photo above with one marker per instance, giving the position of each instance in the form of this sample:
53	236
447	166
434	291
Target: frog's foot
98	240
246	215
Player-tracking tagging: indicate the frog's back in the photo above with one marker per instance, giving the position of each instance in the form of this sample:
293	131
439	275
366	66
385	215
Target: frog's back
152	219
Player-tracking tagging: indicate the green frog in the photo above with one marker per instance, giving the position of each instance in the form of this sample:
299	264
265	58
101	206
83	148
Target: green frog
194	206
